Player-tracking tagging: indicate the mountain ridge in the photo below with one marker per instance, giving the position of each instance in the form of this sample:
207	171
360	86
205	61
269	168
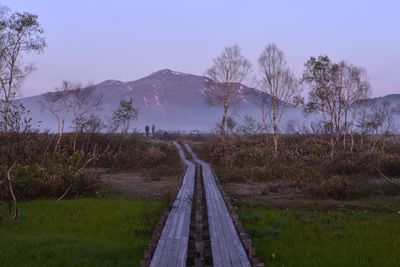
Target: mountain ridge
170	100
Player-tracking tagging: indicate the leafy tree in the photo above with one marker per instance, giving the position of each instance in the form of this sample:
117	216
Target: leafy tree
125	114
90	124
250	126
336	89
325	95
20	34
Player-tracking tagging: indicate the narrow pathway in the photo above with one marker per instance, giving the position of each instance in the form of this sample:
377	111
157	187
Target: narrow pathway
172	247
204	229
226	247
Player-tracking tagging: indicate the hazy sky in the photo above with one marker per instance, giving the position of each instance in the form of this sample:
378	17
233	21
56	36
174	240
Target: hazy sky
92	41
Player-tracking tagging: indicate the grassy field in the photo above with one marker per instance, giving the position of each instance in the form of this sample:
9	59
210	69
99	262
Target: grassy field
300	237
84	232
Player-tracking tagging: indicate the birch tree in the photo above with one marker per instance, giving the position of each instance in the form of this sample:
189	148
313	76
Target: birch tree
277	80
325	96
83	101
59	104
357	91
20	34
226	74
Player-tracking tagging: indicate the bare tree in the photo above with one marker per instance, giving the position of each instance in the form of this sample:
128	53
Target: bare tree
361	121
357	90
83	101
278	81
380	122
225	77
20	34
71	99
59	104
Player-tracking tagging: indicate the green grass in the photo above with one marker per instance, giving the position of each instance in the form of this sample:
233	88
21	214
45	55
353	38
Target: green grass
84	232
324	238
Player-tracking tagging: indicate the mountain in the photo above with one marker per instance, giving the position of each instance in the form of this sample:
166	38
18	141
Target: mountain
171	101
168	99
393	99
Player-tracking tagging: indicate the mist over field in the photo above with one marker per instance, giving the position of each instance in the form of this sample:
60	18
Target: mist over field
175	101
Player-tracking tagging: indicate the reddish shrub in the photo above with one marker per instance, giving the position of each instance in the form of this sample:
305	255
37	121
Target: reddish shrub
336	188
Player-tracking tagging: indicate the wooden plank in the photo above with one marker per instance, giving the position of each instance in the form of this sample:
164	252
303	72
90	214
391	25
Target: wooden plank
227	234
220	236
219	250
172	246
227	249
181	260
172	259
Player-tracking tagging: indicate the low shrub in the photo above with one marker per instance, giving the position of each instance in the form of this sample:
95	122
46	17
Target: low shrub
305	161
154	156
390	166
337	187
32	181
40	172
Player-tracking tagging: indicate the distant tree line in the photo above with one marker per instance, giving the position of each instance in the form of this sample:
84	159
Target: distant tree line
337	91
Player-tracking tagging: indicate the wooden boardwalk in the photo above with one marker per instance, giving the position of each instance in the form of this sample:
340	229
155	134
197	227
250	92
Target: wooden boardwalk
172	247
226	247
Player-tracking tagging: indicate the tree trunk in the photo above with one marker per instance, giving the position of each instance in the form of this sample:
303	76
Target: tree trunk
345	130
336	127
75	138
332	147
5	116
276	144
276	133
223	122
60	134
352	142
13	200
333	136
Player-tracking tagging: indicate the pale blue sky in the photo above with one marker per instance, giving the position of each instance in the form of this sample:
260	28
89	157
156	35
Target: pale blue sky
91	41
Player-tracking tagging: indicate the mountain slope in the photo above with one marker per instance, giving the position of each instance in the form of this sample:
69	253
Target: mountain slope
168	99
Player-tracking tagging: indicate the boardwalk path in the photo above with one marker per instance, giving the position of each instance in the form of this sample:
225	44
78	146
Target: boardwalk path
172	247
226	248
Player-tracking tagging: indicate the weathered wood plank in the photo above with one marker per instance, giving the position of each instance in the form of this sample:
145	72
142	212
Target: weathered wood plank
227	249
172	246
